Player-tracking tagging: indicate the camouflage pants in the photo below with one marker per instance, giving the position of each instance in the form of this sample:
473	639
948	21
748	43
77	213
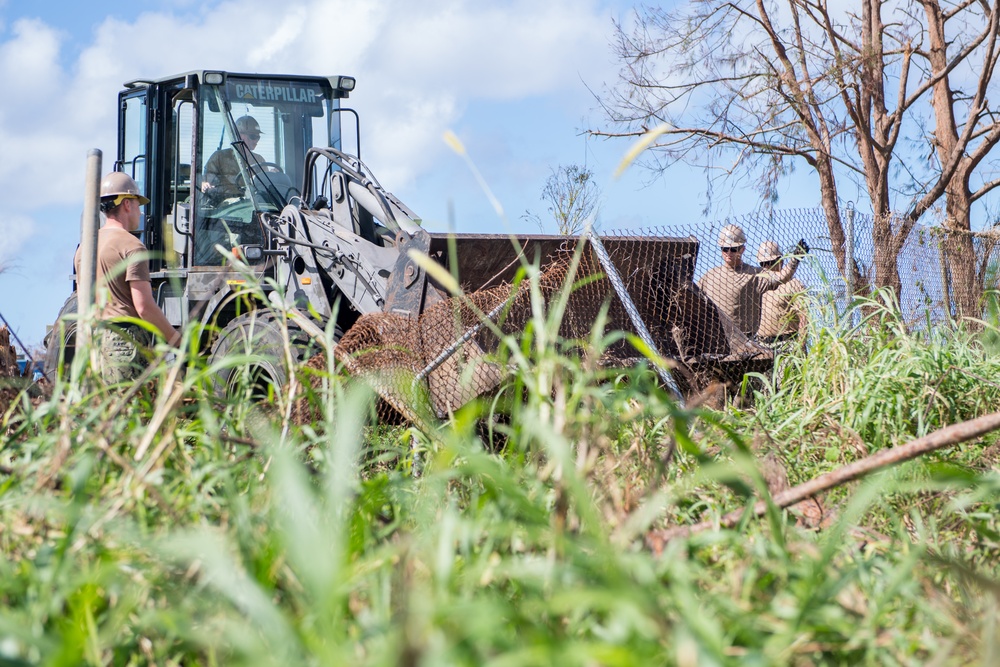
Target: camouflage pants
123	352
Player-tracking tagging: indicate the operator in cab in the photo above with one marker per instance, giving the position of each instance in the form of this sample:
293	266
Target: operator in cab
123	287
222	171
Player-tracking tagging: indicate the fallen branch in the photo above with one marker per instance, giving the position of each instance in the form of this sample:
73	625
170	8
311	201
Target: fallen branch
949	435
252	444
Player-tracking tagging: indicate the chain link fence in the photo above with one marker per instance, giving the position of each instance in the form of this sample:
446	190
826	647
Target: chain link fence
657	285
942	274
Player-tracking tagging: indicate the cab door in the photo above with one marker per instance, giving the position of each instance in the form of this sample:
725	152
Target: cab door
133	138
154	147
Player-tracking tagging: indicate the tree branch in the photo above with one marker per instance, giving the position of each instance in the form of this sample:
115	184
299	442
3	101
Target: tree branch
945	437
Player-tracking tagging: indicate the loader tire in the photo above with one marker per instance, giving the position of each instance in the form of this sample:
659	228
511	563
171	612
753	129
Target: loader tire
60	341
256	334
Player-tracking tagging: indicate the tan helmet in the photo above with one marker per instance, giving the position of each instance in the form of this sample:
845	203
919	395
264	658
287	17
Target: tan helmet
731	236
248	124
768	252
119	185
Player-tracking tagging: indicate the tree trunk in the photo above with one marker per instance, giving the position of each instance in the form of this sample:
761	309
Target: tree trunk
872	145
887	247
960	251
838	239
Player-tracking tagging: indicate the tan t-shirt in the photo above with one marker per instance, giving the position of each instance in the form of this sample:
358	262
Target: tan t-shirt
738	292
778	313
121	259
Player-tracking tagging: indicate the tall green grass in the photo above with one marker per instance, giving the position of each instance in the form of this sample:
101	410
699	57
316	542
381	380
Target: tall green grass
169	526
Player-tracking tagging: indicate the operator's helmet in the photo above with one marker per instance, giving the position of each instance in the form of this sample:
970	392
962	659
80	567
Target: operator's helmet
248	125
731	236
116	186
768	252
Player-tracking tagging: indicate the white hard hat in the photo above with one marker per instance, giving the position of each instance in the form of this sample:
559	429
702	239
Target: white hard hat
768	252
731	236
117	185
248	124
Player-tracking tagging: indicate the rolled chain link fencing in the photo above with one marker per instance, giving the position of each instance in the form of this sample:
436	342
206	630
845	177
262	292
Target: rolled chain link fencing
426	367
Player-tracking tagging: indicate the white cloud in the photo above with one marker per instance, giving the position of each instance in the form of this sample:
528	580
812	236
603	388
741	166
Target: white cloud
418	67
284	37
29	63
15	230
496	50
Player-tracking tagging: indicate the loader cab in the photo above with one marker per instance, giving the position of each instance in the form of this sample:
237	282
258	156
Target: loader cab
214	151
168	132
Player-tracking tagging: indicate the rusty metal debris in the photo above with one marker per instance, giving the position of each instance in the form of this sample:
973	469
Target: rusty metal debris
446	356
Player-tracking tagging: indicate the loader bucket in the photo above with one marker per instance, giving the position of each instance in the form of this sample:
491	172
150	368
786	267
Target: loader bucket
658	272
440	358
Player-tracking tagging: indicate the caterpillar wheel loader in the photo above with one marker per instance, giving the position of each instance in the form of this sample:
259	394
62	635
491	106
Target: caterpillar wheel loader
317	228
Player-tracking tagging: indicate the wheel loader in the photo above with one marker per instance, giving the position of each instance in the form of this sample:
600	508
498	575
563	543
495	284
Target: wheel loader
328	241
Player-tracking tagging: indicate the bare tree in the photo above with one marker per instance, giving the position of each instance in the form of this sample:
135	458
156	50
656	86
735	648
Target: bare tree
572	196
752	87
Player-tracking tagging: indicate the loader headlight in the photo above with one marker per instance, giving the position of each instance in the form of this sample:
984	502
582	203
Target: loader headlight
250	253
346	83
213	78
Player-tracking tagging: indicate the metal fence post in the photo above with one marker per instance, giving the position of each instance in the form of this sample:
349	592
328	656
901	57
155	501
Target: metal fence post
945	280
849	262
88	249
849	252
640	326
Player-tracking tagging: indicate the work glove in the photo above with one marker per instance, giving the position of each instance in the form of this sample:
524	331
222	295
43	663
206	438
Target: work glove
802	248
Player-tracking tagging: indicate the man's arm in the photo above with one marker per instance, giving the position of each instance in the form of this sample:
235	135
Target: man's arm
145	305
211	174
774	279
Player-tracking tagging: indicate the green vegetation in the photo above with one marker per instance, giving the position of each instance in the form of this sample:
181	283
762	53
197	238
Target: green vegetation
164	526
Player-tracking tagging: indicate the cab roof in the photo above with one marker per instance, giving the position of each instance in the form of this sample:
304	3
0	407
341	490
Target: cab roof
341	85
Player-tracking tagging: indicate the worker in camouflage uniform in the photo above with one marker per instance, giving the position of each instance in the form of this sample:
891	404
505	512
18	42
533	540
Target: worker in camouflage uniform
781	313
123	287
735	287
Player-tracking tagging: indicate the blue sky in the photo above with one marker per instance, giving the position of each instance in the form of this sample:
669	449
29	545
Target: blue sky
509	77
